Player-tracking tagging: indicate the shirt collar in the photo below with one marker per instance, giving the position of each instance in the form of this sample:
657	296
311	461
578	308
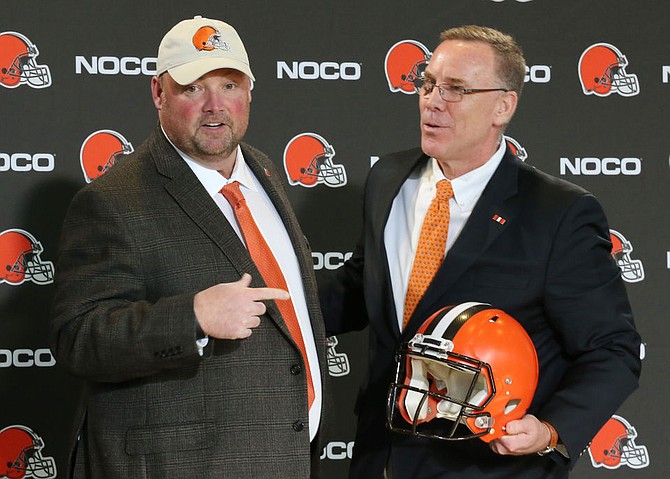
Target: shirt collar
469	187
212	180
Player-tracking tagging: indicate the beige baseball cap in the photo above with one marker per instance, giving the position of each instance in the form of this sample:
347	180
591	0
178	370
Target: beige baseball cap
199	45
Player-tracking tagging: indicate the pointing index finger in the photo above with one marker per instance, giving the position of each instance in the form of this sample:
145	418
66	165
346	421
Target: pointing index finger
260	294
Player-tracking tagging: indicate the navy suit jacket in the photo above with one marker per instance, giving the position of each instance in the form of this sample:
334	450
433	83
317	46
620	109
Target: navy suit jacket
548	265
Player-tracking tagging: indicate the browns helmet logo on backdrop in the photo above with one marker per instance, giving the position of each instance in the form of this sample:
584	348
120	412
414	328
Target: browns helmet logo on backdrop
338	363
99	152
20	259
21	455
18	65
602	71
308	161
404	65
516	148
632	270
614	446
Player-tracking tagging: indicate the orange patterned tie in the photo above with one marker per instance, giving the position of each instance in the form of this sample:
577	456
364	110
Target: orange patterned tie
267	264
430	250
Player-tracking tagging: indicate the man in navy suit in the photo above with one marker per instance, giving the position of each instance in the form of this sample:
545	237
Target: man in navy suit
532	245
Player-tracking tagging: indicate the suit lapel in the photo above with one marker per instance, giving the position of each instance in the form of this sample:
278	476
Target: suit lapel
388	185
390	179
481	229
267	175
187	191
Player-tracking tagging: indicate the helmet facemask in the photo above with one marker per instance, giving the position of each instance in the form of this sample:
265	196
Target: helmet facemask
441	385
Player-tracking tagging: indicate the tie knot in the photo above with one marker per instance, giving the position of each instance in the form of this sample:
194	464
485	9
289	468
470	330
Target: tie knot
232	193
444	190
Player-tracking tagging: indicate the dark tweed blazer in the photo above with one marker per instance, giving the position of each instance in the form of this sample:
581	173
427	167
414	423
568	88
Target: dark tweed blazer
137	244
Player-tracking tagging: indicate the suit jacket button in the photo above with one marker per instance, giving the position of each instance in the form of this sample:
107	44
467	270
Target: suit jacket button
296	369
298	426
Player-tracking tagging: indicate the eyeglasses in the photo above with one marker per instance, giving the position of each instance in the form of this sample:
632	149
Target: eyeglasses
452	93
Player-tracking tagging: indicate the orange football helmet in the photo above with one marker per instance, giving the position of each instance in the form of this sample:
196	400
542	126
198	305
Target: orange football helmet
469	364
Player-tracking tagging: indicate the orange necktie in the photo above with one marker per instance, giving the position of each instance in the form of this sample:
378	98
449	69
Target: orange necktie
430	250
267	264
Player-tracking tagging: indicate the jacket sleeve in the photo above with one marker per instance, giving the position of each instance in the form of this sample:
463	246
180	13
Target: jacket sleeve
588	309
105	327
342	295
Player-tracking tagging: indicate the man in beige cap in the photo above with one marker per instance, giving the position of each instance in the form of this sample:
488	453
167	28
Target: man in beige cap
192	315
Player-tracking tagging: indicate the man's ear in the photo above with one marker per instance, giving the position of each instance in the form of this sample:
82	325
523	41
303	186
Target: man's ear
505	108
156	91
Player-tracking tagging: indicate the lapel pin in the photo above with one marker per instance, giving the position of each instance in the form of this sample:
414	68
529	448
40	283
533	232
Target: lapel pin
267	172
499	219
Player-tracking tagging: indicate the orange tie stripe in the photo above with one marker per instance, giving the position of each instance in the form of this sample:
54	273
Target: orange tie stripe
267	264
430	250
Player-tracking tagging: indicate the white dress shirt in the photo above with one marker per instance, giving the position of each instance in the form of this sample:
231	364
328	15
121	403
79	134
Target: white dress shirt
273	230
401	234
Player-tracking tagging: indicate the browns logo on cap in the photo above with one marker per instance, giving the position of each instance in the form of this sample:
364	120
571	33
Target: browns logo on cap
195	47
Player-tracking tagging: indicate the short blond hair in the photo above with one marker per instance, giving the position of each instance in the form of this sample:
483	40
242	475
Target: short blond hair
511	63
